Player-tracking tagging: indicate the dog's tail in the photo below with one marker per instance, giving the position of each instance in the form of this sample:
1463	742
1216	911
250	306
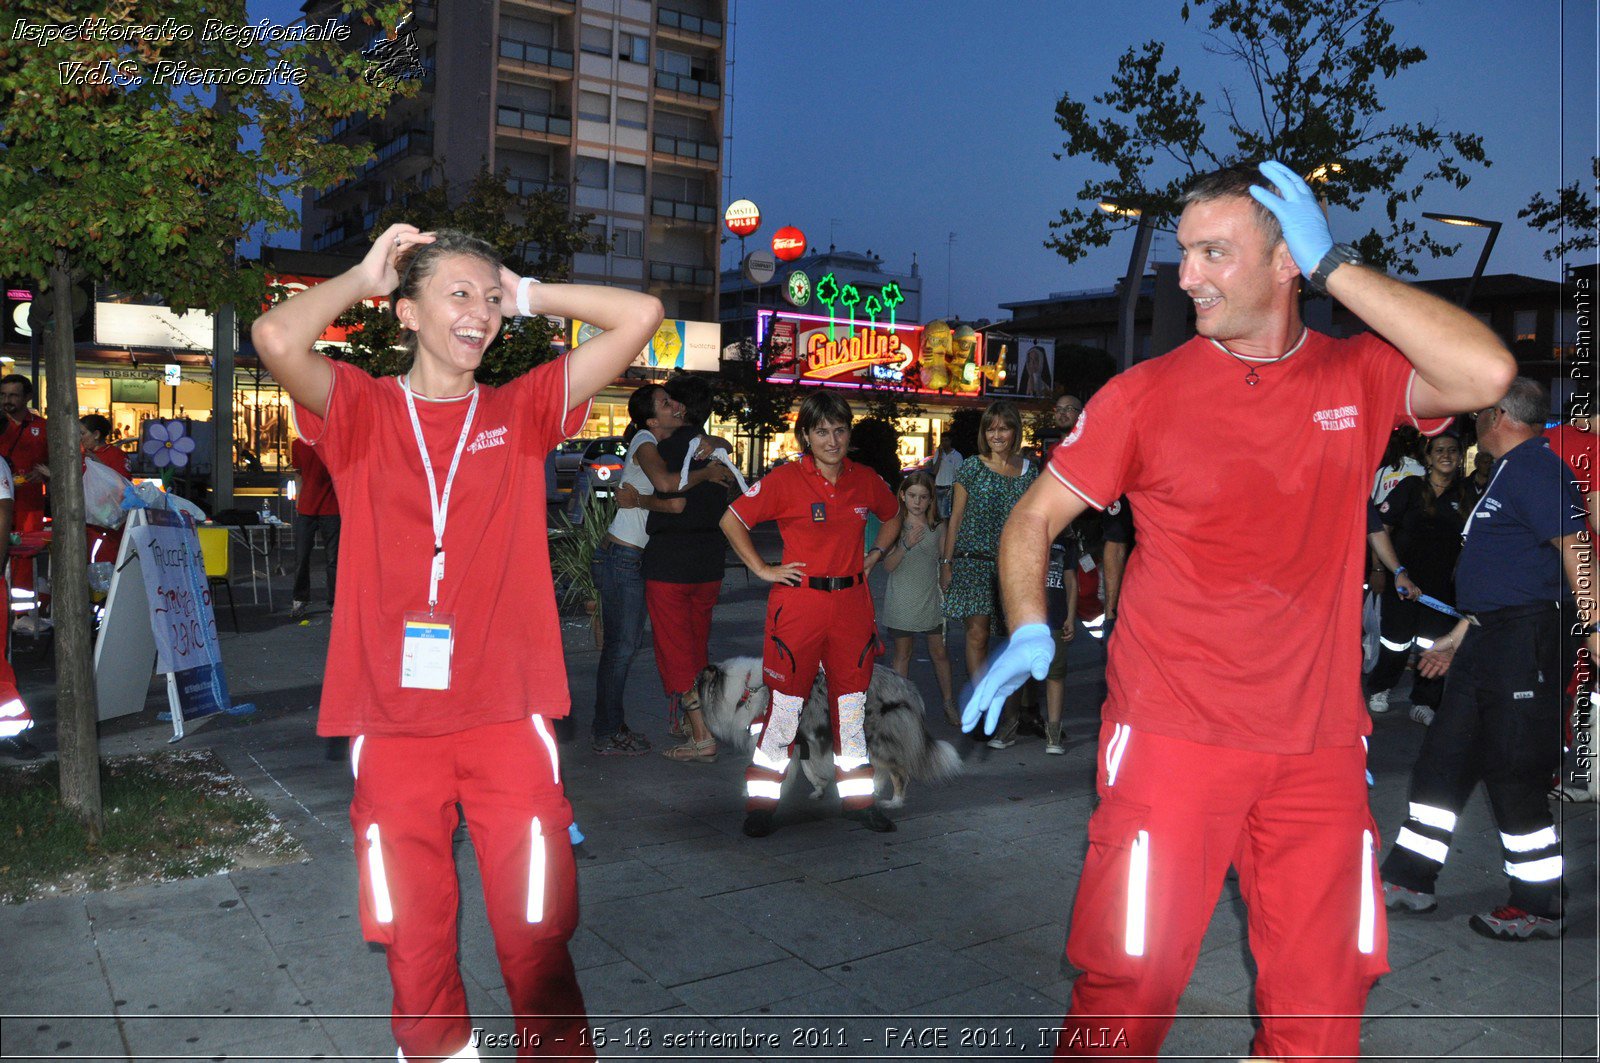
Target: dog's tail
943	762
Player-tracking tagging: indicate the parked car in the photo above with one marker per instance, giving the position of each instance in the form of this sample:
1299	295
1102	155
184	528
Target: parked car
599	471
569	455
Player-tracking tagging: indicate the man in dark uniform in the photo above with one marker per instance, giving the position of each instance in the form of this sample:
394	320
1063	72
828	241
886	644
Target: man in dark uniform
1500	718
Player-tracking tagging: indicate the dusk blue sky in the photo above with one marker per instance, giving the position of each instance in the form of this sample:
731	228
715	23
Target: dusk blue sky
893	123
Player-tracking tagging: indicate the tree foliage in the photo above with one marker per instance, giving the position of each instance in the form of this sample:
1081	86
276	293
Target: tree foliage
536	237
1572	217
115	166
1307	94
133	181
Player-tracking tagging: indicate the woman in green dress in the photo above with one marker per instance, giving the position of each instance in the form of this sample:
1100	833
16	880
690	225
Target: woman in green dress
986	490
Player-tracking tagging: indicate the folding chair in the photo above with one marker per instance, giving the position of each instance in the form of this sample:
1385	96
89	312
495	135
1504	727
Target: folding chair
215	549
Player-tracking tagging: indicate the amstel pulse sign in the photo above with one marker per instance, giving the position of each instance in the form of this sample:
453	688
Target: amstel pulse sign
742	217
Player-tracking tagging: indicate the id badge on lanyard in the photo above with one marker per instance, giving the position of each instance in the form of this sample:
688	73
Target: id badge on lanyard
428	638
425	656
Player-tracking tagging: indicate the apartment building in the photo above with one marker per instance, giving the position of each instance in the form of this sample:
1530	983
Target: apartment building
615	104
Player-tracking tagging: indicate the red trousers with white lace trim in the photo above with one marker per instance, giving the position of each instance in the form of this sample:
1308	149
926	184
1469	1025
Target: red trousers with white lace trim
809	629
507	779
1172	816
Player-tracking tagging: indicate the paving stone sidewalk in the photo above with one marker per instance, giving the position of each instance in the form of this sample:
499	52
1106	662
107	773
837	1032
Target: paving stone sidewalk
943	939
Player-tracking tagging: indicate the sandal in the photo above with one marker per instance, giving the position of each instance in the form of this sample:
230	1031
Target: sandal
692	752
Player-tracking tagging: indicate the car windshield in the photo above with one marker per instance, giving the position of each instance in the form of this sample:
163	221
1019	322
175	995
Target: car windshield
610	446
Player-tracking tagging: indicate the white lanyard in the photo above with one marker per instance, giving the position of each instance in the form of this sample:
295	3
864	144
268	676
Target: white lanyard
440	505
1466	529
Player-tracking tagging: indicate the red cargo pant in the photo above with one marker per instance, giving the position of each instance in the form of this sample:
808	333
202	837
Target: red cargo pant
1172	816
808	629
680	626
507	780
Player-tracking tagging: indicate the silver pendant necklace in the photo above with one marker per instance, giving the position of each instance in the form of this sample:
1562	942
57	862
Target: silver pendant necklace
1252	378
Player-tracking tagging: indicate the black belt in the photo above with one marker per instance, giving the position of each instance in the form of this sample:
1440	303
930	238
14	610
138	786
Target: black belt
1509	613
833	583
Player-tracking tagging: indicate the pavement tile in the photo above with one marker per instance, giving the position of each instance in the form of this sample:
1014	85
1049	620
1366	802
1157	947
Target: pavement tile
740	991
678	937
77	1037
726	869
588	950
618	881
619	989
900	979
52	941
817	923
835	863
1032	957
301	901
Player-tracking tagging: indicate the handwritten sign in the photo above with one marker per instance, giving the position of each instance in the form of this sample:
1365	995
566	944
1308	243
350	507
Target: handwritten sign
181	618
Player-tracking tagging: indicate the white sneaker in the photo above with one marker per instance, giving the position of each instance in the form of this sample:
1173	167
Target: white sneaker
1001	743
1422	714
1378	703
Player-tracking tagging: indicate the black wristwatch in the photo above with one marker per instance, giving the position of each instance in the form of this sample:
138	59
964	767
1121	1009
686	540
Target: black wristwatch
1337	255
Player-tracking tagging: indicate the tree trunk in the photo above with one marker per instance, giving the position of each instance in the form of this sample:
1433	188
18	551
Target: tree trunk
77	711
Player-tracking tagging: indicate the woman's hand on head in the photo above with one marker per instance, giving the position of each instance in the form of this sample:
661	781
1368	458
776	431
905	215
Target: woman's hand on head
382	274
509	283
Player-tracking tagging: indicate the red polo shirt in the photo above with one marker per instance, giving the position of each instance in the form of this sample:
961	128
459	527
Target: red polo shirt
23	446
823	524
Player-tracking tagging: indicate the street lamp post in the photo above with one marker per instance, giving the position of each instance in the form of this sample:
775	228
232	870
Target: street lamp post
1483	257
1128	301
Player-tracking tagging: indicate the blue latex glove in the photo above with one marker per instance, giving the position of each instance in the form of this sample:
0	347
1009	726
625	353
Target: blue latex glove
1305	229
1030	649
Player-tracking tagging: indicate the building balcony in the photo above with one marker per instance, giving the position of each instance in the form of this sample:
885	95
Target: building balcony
678	210
530	186
681	148
547	60
550	7
689	27
688	89
682	276
411	144
514	121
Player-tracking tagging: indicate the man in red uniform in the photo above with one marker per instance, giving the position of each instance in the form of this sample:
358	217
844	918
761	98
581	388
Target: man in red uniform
14	716
820	611
1234	720
26	448
316	513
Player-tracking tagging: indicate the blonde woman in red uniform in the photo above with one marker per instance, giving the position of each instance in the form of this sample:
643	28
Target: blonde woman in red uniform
819	614
444	661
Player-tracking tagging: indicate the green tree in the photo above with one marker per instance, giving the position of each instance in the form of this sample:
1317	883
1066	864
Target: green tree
536	235
1571	217
114	173
1309	74
827	295
849	296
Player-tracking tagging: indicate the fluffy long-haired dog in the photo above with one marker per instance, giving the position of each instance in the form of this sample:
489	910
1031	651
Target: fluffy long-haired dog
734	698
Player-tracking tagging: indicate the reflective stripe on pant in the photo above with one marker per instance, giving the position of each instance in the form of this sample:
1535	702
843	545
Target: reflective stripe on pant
404	815
1499	721
14	715
1172	816
763	779
1408	624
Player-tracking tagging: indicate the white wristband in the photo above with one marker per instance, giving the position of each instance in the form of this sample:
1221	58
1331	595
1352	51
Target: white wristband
522	296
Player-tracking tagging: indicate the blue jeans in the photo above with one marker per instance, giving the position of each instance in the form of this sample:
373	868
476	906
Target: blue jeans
620	582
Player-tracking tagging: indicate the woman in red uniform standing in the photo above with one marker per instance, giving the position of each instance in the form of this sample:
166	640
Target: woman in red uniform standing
446	591
819	614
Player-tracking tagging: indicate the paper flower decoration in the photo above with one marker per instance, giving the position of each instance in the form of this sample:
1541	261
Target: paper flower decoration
168	444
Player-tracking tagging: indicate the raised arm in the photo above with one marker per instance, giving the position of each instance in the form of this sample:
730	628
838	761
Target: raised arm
283	335
1461	365
627	319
